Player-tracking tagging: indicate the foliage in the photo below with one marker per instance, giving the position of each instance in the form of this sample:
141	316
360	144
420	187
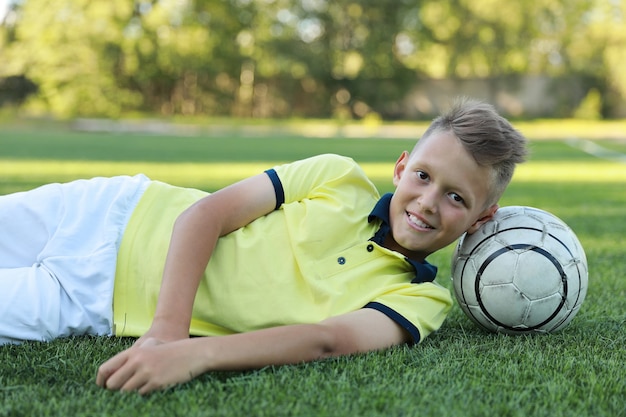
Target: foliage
261	58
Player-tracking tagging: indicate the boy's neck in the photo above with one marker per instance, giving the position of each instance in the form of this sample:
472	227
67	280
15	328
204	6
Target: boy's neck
391	244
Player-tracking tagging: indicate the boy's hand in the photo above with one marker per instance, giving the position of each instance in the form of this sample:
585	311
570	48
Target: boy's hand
159	335
144	341
152	366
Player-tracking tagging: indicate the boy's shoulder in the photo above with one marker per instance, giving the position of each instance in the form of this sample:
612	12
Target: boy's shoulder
322	169
327	163
332	177
331	159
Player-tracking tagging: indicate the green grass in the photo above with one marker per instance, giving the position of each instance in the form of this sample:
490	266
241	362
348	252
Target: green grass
458	371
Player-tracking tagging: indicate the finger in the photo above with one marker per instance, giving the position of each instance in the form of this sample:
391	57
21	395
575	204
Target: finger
144	381
109	367
134	382
122	373
149	387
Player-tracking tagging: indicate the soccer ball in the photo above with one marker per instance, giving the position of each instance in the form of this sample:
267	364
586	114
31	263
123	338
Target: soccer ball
524	271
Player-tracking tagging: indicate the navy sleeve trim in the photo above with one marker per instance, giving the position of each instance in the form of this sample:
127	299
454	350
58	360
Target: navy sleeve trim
398	318
278	187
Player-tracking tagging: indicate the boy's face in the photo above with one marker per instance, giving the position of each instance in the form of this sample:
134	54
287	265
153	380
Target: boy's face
441	192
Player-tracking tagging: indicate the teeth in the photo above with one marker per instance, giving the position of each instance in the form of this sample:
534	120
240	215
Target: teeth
418	222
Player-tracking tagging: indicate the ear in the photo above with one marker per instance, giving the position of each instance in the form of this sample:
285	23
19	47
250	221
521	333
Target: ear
485	216
400	167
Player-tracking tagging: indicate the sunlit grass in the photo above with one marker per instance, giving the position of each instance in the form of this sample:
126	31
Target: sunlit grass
212	176
570	172
209	175
573	128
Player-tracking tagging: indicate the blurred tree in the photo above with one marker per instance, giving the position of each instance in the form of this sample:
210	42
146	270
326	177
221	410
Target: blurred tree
174	50
342	53
71	50
589	108
597	50
276	58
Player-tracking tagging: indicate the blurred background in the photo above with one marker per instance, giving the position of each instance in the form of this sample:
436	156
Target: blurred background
348	60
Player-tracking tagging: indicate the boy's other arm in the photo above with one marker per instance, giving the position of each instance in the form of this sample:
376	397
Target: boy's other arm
194	237
149	368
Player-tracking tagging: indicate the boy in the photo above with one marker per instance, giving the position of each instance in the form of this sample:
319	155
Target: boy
302	262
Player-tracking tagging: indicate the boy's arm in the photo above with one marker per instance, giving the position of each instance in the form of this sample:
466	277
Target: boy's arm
194	237
153	367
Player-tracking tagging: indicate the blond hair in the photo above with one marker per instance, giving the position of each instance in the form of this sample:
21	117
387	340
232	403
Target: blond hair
488	137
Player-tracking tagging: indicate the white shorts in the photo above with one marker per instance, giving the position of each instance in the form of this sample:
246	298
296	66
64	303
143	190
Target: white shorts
58	252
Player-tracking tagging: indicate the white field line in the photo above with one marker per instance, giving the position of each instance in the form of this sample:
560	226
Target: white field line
596	150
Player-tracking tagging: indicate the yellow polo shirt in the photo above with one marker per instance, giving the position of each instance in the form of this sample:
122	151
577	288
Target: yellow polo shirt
310	259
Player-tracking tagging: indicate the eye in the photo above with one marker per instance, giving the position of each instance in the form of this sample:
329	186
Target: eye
422	175
457	198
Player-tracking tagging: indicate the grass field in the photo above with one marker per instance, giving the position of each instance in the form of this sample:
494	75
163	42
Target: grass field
458	371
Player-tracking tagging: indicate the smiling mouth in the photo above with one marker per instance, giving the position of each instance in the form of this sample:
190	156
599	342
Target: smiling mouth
417	222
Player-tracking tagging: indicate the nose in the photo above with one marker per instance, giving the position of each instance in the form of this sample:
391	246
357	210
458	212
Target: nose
428	201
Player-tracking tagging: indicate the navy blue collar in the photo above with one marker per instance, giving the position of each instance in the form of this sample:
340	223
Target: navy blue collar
424	272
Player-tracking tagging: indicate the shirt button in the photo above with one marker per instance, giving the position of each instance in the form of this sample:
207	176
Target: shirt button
341	260
370	247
